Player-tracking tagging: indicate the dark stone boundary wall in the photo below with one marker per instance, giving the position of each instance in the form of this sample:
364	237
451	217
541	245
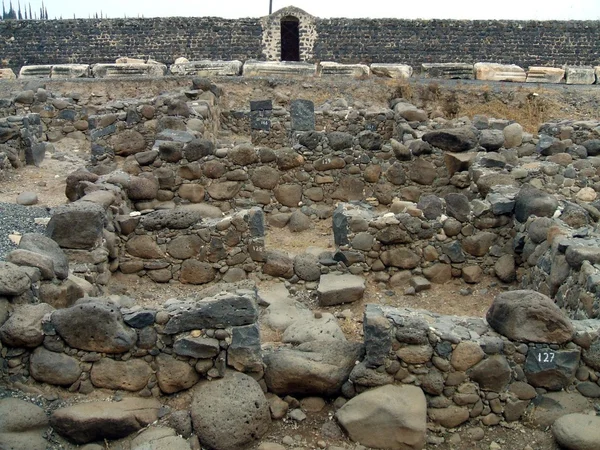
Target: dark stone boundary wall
550	43
93	41
343	40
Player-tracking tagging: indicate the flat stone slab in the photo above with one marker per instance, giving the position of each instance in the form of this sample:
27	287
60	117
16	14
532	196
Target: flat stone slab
128	70
395	71
499	72
208	67
452	71
537	74
96	421
347	70
37	71
335	289
580	75
70	71
278	68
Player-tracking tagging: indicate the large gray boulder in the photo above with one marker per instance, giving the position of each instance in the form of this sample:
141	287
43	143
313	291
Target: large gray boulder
220	311
312	368
235	400
577	432
24	326
533	202
54	368
22	426
452	139
390	417
43	245
13	279
159	438
97	421
529	316
323	327
77	225
94	325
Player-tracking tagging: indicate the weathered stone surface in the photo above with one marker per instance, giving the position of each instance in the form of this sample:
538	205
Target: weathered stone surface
236	400
24	326
395	71
400	257
54	368
550	369
144	246
40	244
533	202
132	375
184	247
320	328
207	68
22	426
492	374
580	75
499	72
13	279
577	431
336	289
128	142
391	417
265	177
220	311
306	267
538	74
530	317
77	225
289	194
422	172
97	421
224	190
313	368
463	71
466	355
174	375
450	417
107	333
452	139
244	352
196	347
505	268
176	219
549	407
158	438
278	264
196	272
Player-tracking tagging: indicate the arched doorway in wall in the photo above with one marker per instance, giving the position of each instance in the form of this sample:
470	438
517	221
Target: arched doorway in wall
290	38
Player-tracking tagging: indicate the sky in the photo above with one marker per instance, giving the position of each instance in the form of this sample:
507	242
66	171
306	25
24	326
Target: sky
432	9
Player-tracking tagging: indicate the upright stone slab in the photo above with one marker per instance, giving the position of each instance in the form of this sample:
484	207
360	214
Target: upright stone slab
303	115
77	225
260	114
451	71
207	68
537	74
499	72
580	75
395	71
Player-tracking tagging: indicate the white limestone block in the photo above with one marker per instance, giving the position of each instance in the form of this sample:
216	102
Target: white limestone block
348	70
207	68
278	68
499	72
396	71
580	75
537	74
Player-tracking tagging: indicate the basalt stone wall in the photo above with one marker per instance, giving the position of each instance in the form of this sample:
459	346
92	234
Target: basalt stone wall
468	369
344	40
151	351
427	41
100	41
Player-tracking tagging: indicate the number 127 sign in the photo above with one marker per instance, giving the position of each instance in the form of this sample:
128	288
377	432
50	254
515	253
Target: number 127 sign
545	357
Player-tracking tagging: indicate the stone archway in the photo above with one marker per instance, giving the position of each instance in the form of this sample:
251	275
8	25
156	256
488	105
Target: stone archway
289	34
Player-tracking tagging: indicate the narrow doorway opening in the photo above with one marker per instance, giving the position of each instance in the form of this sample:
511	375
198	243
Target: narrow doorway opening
290	39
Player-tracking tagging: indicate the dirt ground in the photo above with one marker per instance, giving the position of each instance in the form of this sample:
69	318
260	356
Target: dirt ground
48	181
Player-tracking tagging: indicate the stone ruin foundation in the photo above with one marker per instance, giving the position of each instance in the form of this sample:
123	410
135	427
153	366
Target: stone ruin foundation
412	201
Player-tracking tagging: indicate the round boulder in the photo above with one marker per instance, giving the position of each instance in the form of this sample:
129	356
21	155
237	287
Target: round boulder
236	400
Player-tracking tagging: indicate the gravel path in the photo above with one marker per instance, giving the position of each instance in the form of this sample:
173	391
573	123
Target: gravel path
18	219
